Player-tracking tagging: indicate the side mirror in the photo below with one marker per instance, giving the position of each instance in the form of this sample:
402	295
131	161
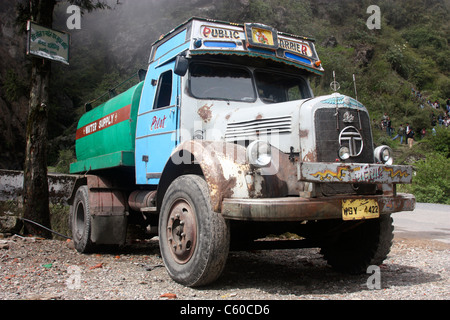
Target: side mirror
181	65
141	74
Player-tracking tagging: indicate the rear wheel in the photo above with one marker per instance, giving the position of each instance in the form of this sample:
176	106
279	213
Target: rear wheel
364	243
194	240
80	220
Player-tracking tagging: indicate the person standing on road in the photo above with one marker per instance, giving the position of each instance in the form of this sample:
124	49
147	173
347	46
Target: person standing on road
389	126
409	135
400	133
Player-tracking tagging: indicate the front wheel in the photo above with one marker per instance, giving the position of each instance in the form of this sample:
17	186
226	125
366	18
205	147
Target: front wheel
363	243
194	240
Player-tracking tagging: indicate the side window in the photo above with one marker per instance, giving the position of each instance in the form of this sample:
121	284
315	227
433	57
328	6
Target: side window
164	91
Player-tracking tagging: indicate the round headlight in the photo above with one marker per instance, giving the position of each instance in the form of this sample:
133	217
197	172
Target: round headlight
344	153
259	153
383	154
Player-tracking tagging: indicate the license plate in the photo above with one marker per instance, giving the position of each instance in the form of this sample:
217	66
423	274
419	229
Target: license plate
357	209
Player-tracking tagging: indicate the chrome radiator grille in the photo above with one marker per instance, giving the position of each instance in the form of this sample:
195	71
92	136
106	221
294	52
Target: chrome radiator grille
251	129
328	135
331	132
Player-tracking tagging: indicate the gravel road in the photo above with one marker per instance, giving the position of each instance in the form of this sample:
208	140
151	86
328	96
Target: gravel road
37	269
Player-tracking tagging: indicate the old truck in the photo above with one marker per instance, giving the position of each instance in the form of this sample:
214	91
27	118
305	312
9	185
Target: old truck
223	143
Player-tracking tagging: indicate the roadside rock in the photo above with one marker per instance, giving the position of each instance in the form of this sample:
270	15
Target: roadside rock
4	244
10	224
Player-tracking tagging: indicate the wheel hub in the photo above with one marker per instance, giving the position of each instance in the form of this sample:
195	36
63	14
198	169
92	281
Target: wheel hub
182	231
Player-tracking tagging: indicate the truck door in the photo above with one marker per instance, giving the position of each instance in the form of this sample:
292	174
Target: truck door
157	123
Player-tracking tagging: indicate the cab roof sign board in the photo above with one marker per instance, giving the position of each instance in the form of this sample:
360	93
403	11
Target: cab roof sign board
199	36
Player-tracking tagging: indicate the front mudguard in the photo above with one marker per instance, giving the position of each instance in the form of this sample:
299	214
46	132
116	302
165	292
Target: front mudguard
228	173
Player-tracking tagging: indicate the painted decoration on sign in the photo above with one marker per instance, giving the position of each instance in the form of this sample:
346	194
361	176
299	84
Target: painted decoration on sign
359	174
397	172
346	101
261	36
330	175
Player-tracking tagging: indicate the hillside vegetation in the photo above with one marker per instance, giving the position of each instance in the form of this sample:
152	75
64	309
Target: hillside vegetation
401	69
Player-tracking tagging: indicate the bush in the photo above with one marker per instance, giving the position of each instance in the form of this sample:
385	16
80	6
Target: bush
432	181
66	157
439	142
424	36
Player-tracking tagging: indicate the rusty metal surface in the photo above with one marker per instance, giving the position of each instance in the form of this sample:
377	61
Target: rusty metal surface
141	199
104	199
205	112
182	231
229	175
297	208
223	166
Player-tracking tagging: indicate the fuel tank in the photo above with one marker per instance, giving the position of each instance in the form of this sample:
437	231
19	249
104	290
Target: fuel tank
105	136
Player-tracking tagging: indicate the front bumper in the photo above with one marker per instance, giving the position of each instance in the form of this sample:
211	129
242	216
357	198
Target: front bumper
331	207
299	209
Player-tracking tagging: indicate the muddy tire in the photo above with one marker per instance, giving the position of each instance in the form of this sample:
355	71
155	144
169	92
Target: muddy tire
194	240
80	220
385	238
363	244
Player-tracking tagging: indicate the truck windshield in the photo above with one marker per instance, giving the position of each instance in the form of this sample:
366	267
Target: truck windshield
227	82
274	88
208	81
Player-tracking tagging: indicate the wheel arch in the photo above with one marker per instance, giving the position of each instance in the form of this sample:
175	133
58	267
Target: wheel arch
81	181
222	165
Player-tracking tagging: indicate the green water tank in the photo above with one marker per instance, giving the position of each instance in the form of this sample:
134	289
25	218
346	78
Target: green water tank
105	136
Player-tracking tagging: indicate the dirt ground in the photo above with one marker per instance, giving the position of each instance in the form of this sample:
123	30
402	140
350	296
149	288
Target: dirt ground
38	269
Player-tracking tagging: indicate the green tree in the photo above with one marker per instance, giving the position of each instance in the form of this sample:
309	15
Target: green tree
35	183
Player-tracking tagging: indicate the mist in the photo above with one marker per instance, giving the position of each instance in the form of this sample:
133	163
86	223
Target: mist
128	29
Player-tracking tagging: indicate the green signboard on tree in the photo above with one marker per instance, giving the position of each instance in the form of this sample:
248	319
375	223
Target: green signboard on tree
47	43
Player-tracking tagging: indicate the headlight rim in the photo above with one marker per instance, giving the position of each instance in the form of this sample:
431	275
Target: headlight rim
264	159
381	158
